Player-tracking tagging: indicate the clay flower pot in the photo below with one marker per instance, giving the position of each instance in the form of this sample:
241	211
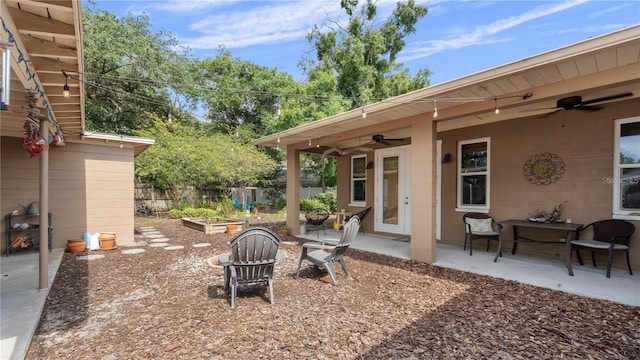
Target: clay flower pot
107	241
232	229
76	245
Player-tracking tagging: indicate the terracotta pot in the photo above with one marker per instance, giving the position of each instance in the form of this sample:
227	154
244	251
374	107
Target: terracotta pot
107	241
232	229
76	245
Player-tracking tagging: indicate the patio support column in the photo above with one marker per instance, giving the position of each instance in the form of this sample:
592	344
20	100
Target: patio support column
44	210
423	191
293	189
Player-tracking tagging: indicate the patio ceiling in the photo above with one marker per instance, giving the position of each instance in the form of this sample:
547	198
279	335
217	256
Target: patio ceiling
44	38
598	67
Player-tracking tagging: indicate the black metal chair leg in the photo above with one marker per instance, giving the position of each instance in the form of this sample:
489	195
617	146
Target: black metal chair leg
628	263
579	257
593	258
609	261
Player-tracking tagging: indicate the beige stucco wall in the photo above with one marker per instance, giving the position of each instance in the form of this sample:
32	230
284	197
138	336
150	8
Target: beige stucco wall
91	187
584	140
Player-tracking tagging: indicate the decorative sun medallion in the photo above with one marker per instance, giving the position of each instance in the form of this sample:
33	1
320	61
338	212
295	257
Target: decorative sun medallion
543	169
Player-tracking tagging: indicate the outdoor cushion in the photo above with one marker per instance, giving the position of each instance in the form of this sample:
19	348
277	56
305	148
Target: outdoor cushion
480	225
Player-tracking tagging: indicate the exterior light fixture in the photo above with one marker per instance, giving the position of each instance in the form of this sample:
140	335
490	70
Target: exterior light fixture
364	113
496	109
65	89
435	109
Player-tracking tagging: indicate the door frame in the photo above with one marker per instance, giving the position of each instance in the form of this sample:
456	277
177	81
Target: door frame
404	190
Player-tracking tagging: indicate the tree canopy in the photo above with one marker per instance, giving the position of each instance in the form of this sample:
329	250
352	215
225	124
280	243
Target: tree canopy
361	55
129	70
141	82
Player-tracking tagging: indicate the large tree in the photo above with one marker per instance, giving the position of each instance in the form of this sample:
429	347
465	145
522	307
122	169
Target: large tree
129	71
362	54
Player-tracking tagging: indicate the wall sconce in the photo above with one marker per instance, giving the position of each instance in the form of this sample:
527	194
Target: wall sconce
446	158
369	165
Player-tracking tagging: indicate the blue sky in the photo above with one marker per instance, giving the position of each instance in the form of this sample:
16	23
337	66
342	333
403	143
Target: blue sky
456	38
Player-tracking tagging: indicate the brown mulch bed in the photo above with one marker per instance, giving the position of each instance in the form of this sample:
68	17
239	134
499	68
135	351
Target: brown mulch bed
169	304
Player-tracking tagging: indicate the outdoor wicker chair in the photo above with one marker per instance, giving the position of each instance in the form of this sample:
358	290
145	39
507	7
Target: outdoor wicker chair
481	226
254	253
608	235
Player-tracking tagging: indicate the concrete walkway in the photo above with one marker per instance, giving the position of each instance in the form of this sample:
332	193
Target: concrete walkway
21	303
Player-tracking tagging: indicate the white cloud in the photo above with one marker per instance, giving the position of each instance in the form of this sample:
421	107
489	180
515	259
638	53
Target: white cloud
256	23
483	34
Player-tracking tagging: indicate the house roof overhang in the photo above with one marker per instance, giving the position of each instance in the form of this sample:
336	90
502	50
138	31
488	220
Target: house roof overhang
44	37
139	144
597	67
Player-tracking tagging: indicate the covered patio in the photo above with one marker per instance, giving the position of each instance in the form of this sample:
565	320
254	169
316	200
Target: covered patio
408	156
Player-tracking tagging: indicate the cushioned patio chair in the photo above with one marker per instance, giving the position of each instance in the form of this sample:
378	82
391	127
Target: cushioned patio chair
481	226
327	253
315	220
608	235
254	252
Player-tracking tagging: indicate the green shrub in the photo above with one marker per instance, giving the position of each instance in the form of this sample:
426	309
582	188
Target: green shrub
175	214
328	199
311	203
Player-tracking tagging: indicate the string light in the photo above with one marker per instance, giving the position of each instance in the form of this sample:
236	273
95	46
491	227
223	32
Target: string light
65	89
317	143
364	113
496	110
309	140
435	109
121	137
278	106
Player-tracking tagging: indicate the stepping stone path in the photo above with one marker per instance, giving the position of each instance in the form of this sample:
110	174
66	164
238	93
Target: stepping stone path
159	244
175	247
89	257
133	251
199	245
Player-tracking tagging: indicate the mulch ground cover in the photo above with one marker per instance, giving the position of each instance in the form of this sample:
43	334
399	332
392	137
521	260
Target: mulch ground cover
167	302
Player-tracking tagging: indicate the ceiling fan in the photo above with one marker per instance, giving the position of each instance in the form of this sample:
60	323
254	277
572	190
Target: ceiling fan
380	139
576	102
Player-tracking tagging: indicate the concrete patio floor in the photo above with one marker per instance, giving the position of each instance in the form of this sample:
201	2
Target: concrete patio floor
22	304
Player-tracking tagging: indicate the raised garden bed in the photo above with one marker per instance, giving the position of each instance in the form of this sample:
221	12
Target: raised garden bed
211	226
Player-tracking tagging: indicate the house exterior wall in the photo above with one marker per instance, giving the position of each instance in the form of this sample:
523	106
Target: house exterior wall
91	188
584	140
343	182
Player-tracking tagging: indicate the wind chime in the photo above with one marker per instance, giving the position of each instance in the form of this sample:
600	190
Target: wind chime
33	142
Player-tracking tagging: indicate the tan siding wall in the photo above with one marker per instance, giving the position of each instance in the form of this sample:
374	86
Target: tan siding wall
91	188
585	143
344	187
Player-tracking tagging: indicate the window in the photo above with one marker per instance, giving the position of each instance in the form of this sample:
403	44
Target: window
473	175
626	168
358	180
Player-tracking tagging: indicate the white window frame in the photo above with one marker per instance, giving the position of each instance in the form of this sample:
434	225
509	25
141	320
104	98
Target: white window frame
352	180
467	207
618	213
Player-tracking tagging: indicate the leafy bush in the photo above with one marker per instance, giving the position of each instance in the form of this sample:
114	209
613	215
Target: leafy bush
192	212
329	200
311	203
175	213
